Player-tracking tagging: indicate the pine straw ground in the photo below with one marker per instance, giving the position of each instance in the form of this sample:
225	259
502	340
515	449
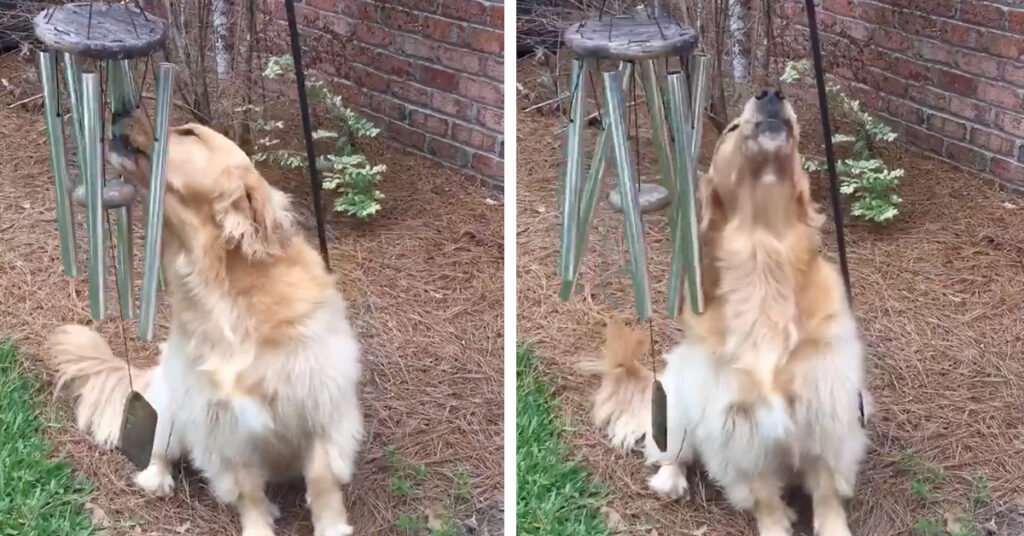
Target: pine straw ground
939	295
423	283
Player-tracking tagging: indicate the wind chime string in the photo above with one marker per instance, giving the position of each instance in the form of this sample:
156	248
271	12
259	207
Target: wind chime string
104	88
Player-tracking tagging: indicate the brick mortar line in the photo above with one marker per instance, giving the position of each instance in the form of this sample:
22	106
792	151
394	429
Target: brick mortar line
446	19
914	85
433	63
932	63
491	183
421	61
896	11
945	140
444	139
946	114
986	174
419	106
921	38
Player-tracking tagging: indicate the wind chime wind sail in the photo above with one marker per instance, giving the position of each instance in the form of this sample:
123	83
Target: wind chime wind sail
644	45
109	38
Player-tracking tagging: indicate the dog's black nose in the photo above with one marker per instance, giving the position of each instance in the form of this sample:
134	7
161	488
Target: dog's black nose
769	104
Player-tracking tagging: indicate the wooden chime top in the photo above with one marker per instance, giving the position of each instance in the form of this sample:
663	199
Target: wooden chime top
630	37
100	30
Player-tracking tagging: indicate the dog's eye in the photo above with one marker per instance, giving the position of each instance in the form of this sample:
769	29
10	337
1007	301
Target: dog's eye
186	131
732	127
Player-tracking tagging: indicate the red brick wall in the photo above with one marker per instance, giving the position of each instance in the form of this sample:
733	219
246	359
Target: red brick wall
428	72
947	74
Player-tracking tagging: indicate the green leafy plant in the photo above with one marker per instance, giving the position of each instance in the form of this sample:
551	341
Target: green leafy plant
346	170
863	175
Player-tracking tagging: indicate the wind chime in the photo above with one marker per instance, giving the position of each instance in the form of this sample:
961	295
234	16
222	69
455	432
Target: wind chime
675	102
110	38
646	45
92	39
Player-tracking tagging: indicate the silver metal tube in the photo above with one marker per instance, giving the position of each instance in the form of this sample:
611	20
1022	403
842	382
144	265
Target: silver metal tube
685	255
92	153
656	110
121	92
58	162
73	79
573	168
615	106
592	189
155	214
699	67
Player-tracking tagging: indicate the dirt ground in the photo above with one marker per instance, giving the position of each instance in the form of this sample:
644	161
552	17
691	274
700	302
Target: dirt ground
423	281
938	295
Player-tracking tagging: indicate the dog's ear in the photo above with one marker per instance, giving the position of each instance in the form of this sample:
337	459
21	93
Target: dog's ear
807	210
252	215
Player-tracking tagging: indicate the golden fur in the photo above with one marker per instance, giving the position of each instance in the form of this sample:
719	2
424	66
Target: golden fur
772	368
258	379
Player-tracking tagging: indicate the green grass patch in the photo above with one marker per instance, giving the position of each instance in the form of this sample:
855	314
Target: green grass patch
555	495
39	495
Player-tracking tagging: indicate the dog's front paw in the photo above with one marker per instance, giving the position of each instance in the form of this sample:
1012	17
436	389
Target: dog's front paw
340	529
258	530
831	527
670	482
156	480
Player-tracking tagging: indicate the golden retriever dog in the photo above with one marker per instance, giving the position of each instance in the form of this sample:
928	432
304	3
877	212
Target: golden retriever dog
767	387
258	380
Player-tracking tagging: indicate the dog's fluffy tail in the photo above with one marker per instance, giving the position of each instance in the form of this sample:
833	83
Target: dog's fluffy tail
622	404
86	365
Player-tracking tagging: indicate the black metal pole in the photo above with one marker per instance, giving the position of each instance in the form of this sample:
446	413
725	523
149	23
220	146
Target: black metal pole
830	154
307	130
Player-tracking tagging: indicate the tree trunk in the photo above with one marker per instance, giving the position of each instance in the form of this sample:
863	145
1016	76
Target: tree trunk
221	56
739	12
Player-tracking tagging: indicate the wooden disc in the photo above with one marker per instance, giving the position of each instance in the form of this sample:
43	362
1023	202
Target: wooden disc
630	38
111	32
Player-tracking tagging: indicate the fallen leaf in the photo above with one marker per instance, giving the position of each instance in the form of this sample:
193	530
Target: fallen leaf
490	201
699	532
182	529
26	205
954	520
436	516
540	209
613	520
98	516
1010	206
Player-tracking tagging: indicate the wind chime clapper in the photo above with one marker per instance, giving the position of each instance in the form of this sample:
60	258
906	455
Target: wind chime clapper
92	38
643	44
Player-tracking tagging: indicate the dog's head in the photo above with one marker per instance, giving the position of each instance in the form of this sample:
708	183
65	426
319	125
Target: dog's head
211	186
755	173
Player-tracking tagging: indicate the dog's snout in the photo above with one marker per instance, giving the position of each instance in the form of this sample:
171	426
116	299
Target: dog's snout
769	104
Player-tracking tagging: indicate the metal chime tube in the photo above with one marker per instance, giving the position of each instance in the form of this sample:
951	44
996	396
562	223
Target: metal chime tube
615	106
73	79
685	259
155	214
121	89
58	163
699	66
573	168
591	191
92	156
656	110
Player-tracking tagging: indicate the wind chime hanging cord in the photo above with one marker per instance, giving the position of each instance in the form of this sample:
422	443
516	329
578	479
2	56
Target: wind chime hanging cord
307	130
830	154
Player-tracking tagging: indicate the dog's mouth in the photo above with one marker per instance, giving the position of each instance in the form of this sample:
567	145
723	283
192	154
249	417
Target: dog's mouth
771	130
129	148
